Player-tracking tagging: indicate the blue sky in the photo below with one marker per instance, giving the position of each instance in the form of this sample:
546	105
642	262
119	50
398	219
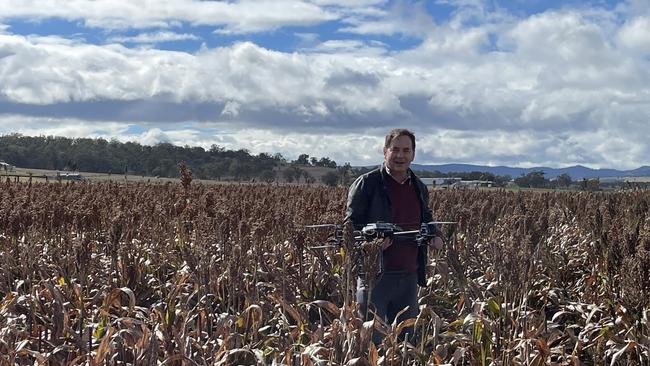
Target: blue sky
520	83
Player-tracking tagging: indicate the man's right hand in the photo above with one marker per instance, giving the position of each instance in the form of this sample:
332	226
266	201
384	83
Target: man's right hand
436	243
388	241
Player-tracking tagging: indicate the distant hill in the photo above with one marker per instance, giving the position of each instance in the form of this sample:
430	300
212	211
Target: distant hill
576	172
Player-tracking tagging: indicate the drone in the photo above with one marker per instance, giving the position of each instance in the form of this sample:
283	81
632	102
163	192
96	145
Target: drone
380	230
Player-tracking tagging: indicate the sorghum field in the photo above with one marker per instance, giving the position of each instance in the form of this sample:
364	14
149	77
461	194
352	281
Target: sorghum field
114	273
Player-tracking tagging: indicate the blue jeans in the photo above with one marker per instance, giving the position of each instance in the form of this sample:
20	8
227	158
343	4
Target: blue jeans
393	292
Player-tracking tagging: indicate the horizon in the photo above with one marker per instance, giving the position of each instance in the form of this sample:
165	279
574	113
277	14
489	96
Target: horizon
340	163
482	82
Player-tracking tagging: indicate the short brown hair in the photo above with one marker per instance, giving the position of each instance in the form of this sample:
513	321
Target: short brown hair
397	132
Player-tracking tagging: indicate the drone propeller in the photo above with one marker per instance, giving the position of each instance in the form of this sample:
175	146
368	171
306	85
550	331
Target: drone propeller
424	228
409	232
323	226
325	246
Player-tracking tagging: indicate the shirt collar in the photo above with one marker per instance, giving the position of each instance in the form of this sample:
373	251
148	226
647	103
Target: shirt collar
408	175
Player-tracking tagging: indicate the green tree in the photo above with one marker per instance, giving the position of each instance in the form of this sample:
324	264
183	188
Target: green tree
326	162
345	174
288	175
305	174
563	180
279	158
533	179
590	184
330	178
268	176
292	173
502	180
303	159
113	156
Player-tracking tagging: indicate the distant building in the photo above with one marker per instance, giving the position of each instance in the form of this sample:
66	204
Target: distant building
70	176
437	182
473	183
5	167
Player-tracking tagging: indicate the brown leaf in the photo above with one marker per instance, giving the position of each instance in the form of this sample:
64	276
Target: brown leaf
104	346
373	354
329	306
359	361
628	346
289	309
255	314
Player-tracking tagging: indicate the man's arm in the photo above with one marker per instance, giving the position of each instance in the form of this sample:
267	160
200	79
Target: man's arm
428	214
357	208
357	204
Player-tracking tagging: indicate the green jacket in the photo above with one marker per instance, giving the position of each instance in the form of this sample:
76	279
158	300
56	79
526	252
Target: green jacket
369	202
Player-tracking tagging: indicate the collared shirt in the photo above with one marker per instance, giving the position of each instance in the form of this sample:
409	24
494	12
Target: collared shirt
408	175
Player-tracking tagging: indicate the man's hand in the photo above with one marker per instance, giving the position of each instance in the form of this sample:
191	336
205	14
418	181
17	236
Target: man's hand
388	241
436	243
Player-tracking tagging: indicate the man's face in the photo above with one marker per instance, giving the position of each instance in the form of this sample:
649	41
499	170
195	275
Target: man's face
399	155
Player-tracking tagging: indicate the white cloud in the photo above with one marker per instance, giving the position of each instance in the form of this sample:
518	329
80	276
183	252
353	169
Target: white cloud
349	46
49	72
345	8
635	34
560	37
157	37
632	8
402	17
231	109
601	148
348	3
234	16
568	86
152	137
345	45
69	127
446	43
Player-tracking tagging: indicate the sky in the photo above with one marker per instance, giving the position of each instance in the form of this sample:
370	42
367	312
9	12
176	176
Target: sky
519	83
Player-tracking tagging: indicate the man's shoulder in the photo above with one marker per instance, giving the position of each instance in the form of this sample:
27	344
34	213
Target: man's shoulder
366	181
372	175
375	173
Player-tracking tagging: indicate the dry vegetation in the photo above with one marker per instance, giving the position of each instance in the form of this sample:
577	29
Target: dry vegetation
108	273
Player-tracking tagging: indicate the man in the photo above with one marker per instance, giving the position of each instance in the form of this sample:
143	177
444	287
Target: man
393	194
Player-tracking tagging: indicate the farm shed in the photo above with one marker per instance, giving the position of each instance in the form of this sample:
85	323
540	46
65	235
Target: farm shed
472	183
5	167
445	181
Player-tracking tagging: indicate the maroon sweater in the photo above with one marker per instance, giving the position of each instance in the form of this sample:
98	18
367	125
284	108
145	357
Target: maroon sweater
402	254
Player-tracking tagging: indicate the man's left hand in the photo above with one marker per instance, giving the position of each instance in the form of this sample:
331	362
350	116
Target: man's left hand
436	243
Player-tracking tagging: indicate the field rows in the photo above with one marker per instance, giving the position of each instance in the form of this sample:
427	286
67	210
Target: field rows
110	273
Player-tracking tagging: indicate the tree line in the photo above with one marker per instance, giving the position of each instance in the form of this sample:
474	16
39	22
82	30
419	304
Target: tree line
536	179
217	163
112	156
99	155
